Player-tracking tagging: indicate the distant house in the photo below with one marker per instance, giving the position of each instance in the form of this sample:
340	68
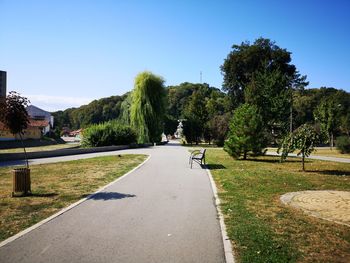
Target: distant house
65	131
38	114
40	123
76	133
71	136
34	131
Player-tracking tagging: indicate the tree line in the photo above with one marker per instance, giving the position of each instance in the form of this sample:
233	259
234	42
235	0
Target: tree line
259	80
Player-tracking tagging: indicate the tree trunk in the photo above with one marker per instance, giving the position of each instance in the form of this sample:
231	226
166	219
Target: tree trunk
332	141
303	161
24	149
245	155
291	119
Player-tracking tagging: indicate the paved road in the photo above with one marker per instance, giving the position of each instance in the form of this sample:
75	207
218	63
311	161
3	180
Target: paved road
162	212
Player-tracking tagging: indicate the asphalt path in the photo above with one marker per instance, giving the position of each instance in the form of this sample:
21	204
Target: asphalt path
162	212
91	155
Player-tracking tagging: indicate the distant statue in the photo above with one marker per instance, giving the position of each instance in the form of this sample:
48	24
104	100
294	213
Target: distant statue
179	130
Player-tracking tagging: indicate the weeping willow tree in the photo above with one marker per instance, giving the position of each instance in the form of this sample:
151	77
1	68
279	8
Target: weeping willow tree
124	116
148	107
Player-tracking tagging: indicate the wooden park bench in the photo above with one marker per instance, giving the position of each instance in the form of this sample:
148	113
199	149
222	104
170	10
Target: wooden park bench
197	156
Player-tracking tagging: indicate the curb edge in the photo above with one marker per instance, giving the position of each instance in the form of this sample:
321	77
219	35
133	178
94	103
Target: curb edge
229	255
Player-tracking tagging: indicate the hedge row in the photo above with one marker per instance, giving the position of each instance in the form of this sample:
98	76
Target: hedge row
108	133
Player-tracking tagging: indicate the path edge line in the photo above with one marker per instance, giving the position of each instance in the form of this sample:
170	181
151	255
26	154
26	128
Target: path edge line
66	209
229	257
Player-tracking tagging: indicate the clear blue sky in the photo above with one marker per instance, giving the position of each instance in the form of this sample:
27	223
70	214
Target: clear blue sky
63	53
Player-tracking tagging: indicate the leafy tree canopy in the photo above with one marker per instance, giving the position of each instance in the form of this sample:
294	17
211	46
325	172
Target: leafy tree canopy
269	92
14	115
246	134
246	59
179	96
97	111
148	107
13	112
304	139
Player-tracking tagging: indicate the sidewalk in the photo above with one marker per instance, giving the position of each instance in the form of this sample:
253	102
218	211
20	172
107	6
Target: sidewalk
162	212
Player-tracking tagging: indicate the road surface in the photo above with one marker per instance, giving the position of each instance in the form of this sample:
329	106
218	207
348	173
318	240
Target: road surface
162	212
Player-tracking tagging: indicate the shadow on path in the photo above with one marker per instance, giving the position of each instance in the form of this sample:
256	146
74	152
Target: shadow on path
110	196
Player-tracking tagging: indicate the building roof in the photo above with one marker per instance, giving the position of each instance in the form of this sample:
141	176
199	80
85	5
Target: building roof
38	123
76	132
34	111
32	123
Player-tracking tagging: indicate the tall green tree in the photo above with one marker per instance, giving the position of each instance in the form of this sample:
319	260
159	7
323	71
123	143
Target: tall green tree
246	134
148	107
196	115
269	92
178	96
327	115
170	125
305	103
246	59
125	106
192	130
345	123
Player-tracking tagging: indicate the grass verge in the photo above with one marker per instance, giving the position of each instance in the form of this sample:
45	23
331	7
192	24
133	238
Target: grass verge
56	186
322	151
261	228
41	148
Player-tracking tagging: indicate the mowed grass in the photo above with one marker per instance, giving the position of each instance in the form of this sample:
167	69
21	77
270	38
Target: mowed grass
41	148
55	186
261	228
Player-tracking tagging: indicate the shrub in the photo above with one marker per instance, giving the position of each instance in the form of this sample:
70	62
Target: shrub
343	144
304	139
246	134
108	133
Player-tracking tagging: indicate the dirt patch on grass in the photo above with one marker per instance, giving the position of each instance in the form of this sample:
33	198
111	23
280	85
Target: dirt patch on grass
329	205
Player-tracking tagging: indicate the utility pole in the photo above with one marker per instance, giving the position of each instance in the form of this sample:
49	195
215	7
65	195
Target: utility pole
291	119
200	77
291	111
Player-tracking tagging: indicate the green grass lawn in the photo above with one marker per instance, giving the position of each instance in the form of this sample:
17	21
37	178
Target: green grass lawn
323	151
41	148
261	228
56	186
